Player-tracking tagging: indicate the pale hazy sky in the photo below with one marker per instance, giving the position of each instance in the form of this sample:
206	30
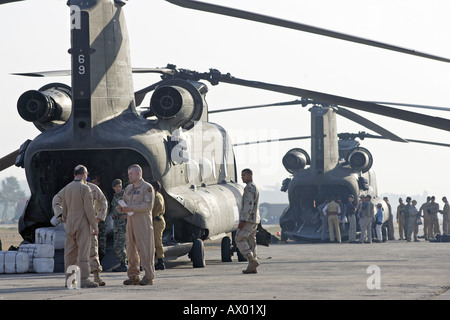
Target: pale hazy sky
35	37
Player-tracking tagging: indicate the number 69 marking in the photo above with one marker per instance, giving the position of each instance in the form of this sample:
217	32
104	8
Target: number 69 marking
81	61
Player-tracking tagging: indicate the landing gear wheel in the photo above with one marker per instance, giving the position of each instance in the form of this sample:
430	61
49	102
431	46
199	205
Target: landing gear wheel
226	250
198	254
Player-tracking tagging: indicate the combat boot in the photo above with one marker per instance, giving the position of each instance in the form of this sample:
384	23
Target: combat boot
146	282
98	279
252	265
131	281
88	284
160	265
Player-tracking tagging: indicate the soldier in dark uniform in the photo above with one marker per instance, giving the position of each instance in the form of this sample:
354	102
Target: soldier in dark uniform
120	227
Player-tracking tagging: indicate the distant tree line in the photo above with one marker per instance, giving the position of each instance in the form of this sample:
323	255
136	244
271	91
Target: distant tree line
11	195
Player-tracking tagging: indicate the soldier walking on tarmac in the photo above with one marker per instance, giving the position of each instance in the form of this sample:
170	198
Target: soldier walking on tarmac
248	222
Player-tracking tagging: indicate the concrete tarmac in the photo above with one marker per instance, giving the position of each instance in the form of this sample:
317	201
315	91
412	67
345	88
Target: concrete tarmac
290	271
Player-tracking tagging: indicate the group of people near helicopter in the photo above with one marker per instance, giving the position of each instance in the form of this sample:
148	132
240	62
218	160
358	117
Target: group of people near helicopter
377	224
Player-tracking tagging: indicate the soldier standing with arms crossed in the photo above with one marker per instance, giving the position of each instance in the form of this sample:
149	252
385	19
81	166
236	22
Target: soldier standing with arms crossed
79	217
139	197
248	222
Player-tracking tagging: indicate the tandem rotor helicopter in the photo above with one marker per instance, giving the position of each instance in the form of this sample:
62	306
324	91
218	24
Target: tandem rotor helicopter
97	121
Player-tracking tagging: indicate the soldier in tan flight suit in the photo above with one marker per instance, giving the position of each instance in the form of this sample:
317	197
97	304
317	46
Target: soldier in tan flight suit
139	197
159	224
433	227
100	208
248	222
79	217
423	211
446	216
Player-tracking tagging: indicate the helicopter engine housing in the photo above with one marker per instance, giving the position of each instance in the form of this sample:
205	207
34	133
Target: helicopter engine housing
295	160
360	159
179	102
47	107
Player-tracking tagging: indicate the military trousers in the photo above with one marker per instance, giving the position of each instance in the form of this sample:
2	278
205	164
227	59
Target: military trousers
333	225
76	249
140	245
120	239
158	228
446	225
94	261
433	226
352	228
401	229
366	228
246	239
426	223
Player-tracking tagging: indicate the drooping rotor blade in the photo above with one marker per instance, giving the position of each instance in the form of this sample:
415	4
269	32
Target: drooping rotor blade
341	111
368	124
363	135
63	73
278	104
8	1
412	105
418	118
9	160
270	140
202	6
54	73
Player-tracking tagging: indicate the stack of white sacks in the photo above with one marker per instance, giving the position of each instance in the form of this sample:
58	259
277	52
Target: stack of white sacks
37	257
29	258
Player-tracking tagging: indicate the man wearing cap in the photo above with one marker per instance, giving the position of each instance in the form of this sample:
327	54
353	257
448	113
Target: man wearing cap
379	222
119	228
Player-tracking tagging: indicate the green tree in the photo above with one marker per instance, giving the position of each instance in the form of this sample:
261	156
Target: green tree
10	194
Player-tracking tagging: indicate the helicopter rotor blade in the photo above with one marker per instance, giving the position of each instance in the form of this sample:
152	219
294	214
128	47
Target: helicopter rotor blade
63	73
341	111
363	135
270	140
368	124
412	105
418	118
278	104
8	160
8	1
202	6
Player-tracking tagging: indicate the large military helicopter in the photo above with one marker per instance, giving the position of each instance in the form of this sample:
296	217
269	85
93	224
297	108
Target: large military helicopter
96	122
335	167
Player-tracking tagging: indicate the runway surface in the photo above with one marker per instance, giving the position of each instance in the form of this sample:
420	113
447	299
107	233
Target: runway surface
290	271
